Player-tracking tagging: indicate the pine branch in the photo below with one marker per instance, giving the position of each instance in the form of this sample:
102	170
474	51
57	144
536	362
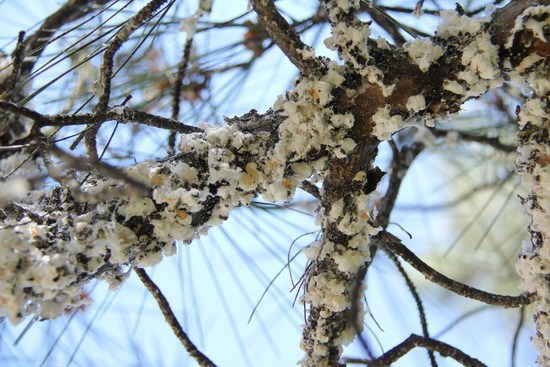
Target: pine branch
172	321
301	55
414	341
394	245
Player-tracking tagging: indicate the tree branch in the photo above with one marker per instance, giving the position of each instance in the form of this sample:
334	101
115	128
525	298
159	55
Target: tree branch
414	341
106	73
394	245
120	113
301	55
172	321
418	301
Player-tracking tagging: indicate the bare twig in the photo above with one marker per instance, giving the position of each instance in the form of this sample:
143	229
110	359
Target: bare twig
516	337
394	245
164	306
418	301
402	160
121	114
414	341
354	310
286	38
311	189
17	57
106	69
465	136
24	111
182	68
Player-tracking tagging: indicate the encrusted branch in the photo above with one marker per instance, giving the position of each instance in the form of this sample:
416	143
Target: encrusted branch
328	127
53	243
533	164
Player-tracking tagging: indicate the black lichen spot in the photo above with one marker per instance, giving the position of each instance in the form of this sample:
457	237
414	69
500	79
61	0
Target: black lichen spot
83	259
374	176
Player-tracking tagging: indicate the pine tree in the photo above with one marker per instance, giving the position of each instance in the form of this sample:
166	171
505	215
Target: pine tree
76	206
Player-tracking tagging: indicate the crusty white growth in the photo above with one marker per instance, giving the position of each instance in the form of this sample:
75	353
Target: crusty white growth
423	52
329	290
533	164
350	32
16	171
527	21
6	67
480	60
382	43
416	103
55	245
385	124
482	72
310	126
339	7
356	37
456	25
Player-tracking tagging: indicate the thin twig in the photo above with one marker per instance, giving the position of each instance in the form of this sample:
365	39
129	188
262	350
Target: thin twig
354	310
120	114
394	245
106	69
413	341
486	140
182	69
417	300
27	112
17	56
171	319
123	35
401	162
516	337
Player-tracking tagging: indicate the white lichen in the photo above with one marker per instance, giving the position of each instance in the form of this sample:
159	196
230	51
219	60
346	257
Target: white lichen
416	103
423	52
385	124
455	25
